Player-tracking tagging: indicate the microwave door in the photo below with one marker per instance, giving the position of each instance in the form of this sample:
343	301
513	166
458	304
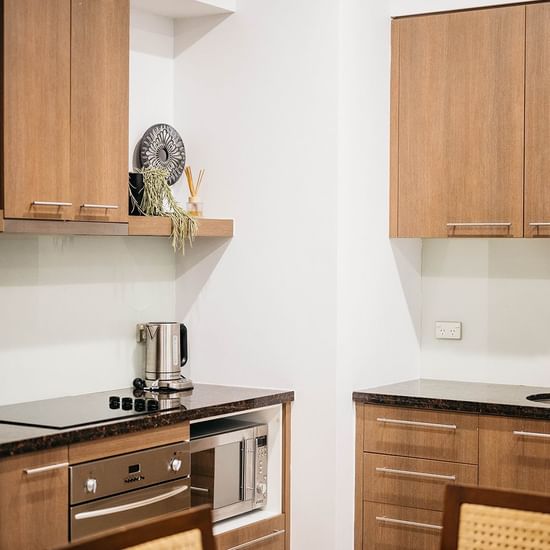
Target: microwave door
217	475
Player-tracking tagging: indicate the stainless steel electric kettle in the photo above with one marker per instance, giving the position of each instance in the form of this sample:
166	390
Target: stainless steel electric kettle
165	354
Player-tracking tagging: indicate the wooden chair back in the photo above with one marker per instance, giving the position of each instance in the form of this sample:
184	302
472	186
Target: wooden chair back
170	532
480	518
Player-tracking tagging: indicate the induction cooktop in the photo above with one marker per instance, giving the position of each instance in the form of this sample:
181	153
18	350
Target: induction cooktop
80	410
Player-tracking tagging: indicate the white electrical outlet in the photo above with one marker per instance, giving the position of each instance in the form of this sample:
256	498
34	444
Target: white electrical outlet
448	330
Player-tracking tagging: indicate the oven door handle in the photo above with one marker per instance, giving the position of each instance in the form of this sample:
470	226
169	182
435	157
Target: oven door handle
131	505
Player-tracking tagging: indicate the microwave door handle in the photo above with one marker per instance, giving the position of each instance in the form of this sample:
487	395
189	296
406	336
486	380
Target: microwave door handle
250	469
242	484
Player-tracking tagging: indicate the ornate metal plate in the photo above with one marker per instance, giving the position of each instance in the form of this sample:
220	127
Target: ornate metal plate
162	147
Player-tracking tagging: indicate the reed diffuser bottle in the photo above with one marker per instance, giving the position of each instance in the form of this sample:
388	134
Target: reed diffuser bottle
194	203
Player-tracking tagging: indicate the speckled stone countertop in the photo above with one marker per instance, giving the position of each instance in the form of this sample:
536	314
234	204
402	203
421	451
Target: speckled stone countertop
473	397
204	401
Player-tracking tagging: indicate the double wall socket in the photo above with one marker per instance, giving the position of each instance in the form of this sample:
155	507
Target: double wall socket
448	330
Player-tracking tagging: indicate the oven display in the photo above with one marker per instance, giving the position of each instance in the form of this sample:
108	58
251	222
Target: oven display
134	468
261	441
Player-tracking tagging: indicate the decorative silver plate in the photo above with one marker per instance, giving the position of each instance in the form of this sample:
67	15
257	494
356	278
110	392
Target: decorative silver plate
162	147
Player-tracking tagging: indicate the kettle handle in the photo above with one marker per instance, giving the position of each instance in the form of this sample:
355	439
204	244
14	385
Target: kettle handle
183	344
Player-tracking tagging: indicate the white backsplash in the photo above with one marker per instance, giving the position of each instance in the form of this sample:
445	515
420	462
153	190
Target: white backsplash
69	306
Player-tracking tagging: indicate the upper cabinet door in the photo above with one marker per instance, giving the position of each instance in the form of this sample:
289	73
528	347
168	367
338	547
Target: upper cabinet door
36	109
99	109
537	122
458	116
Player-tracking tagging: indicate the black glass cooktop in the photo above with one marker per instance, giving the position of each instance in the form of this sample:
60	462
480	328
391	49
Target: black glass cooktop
91	408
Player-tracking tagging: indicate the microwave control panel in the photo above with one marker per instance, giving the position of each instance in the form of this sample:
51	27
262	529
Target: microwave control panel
261	471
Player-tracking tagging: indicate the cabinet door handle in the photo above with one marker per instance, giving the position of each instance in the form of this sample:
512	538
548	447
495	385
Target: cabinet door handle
51	203
531	434
417	474
479	224
42	469
384	519
100	206
418	424
256	541
537	224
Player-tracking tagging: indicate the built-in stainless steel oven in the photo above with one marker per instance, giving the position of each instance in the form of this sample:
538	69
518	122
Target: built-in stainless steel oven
229	466
116	491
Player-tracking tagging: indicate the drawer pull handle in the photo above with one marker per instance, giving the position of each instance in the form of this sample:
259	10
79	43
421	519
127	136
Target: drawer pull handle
102	206
51	203
42	469
199	489
384	519
256	541
531	434
480	224
417	474
420	424
537	224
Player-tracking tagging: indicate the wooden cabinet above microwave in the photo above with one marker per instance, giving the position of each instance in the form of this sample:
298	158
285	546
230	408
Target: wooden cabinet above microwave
65	110
470	123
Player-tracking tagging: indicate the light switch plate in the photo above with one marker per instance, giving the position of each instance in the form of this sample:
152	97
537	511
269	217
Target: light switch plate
448	330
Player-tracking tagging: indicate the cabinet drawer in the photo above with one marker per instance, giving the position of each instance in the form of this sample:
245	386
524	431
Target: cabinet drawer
268	534
411	481
514	453
422	434
398	528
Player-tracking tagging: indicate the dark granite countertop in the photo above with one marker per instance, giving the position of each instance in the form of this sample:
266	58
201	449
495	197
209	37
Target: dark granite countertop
447	395
205	400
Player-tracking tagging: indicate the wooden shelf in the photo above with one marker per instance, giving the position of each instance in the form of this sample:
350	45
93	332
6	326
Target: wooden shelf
162	227
178	9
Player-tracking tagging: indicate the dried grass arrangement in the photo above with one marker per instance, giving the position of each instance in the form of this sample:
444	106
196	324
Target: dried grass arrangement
158	200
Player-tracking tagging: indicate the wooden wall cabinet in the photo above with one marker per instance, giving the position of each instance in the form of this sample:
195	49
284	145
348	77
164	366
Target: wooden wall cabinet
34	500
470	123
537	122
65	109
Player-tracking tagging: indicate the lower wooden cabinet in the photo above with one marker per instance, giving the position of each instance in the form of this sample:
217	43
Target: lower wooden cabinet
514	453
396	528
33	500
268	534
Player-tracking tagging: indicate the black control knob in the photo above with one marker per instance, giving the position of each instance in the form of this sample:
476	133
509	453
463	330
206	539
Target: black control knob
152	405
139	383
127	403
114	402
139	405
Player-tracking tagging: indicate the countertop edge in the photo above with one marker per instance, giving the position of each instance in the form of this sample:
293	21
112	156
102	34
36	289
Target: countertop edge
450	405
111	429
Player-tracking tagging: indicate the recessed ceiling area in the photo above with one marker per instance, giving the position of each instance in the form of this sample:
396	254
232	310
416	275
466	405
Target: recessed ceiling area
185	8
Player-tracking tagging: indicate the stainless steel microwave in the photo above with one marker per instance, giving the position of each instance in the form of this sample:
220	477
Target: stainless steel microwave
229	466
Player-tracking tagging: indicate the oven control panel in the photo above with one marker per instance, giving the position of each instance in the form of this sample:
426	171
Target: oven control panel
114	475
260	495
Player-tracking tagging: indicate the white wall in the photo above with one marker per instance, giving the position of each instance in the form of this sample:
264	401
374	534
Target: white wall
500	290
69	310
151	75
256	97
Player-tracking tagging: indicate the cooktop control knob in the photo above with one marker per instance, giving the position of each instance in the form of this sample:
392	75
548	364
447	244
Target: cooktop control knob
261	488
91	485
175	465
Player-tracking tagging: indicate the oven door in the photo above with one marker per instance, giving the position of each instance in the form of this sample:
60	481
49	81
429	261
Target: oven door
107	513
222	473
